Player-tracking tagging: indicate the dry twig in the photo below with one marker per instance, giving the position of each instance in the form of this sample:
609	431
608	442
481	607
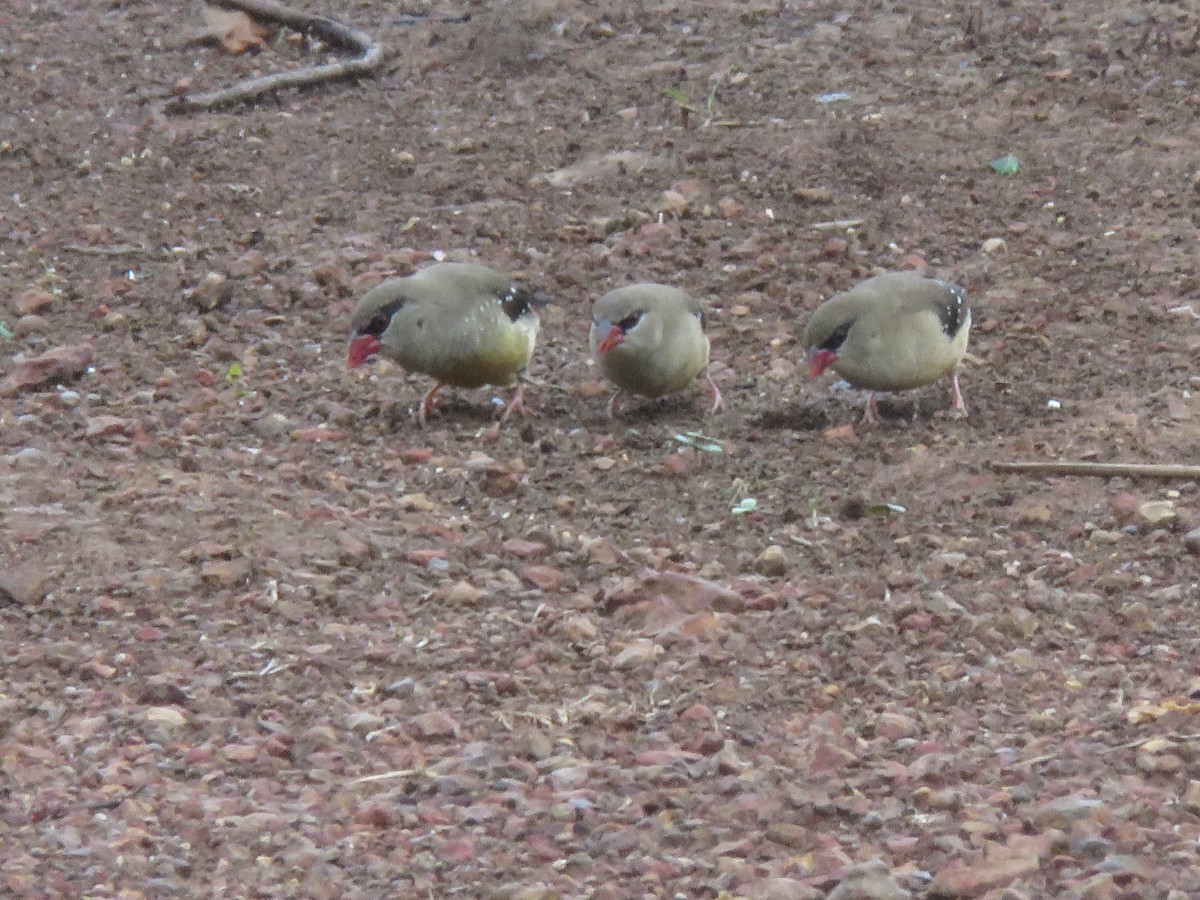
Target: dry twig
1100	470
369	59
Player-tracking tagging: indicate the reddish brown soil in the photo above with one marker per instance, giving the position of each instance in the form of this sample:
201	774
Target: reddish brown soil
264	637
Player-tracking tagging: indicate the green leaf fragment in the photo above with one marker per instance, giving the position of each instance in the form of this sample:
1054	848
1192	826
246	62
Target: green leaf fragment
745	505
885	509
1006	165
234	372
700	442
6	333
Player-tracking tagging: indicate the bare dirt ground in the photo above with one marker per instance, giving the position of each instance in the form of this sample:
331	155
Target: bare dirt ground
264	637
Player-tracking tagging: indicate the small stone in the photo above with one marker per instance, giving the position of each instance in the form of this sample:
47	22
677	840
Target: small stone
363	722
778	889
1157	511
976	878
464	594
249	263
435	724
31	324
994	245
22	585
869	881
165	717
106	426
57	364
213	290
525	549
274	424
547	578
1099	887
1063	812
892	726
636	653
840	434
788	834
401	687
32	301
1191	540
240	753
813	195
1191	798
29	458
375	814
319	434
580	628
226	572
772	562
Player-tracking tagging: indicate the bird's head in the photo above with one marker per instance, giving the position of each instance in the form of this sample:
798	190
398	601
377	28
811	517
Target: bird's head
826	333
611	334
370	321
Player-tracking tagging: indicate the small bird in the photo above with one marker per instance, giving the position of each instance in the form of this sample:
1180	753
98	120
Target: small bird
892	332
649	339
463	324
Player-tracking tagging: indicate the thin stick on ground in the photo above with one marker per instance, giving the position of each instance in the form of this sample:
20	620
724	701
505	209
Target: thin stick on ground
366	63
1100	470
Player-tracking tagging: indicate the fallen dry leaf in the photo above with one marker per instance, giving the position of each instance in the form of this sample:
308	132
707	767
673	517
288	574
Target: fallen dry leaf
233	30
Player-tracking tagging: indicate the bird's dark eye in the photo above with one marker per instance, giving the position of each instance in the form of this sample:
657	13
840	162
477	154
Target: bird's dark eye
837	337
630	321
381	320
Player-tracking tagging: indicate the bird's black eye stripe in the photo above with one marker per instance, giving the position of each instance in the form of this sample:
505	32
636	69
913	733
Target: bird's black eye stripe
630	321
382	318
516	301
837	337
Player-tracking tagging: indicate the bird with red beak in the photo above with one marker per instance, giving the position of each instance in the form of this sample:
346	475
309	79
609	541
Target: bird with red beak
649	340
464	324
893	332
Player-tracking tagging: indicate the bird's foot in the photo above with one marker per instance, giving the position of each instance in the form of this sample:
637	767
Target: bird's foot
517	405
614	404
718	402
872	416
428	403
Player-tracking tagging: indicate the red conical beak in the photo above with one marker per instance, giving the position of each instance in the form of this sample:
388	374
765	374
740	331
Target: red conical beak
819	361
614	338
362	348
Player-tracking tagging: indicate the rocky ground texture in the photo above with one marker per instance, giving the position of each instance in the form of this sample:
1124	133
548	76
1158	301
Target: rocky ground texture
265	637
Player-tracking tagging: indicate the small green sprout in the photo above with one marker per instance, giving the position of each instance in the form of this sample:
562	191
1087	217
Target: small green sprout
234	373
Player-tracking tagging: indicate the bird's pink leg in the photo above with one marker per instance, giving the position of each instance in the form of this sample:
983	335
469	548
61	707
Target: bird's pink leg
517	404
872	409
613	404
428	403
956	396
718	403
